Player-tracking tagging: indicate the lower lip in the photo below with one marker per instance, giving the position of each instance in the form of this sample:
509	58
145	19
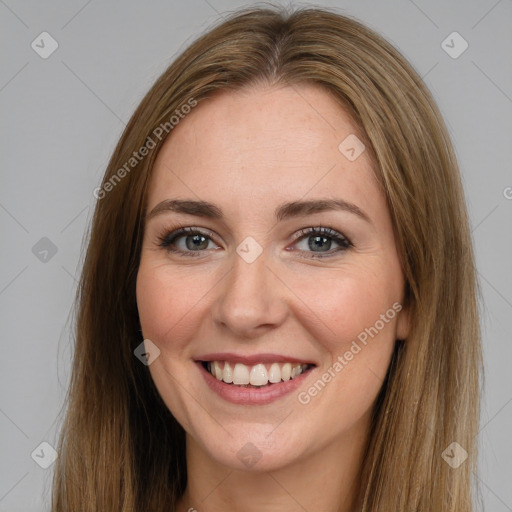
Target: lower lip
251	396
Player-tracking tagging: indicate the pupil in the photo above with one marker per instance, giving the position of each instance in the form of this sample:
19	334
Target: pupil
196	243
317	243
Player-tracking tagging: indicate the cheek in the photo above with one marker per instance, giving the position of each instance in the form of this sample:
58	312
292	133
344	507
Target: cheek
355	325
354	321
167	302
343	304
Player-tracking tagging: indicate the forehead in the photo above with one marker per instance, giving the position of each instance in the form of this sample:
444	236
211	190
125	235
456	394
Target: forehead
261	146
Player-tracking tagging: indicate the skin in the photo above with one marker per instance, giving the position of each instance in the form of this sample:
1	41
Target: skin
247	152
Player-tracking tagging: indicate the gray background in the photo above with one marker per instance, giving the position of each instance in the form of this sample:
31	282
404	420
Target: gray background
61	117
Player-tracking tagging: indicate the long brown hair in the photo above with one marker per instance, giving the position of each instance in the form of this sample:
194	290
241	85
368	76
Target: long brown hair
120	448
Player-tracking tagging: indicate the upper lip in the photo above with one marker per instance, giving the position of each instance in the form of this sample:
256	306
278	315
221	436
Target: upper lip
251	360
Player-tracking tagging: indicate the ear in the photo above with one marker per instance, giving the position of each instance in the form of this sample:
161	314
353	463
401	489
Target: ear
402	322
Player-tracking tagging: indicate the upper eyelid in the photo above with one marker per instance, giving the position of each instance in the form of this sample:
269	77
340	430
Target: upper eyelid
180	231
311	230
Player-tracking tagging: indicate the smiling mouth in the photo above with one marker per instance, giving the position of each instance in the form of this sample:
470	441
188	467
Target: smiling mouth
255	376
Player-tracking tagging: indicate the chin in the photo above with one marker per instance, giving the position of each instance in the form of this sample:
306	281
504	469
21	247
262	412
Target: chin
256	449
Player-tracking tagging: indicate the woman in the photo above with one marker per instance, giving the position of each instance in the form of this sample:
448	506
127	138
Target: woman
277	308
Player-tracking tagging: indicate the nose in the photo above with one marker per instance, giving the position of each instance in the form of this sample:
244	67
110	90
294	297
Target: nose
250	299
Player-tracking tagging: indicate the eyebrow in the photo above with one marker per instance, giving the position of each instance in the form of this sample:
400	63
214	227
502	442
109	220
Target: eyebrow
282	212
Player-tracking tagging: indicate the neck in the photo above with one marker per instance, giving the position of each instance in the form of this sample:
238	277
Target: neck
327	480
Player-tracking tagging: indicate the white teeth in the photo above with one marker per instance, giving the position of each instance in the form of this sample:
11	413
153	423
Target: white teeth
217	372
240	374
274	373
227	373
257	375
286	371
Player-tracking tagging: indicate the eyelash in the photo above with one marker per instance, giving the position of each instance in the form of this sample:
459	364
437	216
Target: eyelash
167	239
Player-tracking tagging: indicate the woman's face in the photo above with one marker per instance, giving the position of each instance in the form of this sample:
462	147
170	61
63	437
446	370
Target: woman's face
289	269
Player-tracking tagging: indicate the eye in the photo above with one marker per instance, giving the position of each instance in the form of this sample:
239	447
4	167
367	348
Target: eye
318	242
186	241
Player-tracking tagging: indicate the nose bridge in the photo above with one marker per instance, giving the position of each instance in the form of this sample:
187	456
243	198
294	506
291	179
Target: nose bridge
249	298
